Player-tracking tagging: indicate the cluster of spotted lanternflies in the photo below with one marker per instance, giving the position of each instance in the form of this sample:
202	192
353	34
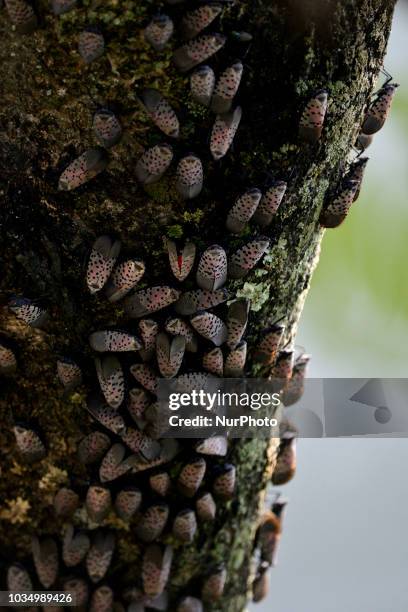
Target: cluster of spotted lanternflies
125	449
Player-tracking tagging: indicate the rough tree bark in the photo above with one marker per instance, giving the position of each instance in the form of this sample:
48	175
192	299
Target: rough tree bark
48	98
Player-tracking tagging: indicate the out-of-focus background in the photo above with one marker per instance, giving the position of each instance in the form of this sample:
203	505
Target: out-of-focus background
356	313
345	540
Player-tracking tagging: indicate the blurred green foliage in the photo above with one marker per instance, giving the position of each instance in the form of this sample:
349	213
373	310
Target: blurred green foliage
356	315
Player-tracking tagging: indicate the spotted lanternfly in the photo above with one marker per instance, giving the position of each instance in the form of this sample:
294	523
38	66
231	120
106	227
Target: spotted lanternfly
285	467
18	579
159	31
98	503
153	163
69	373
215	446
267	350
312	118
161	112
66	501
106	416
100	555
74	547
210	327
8	362
356	173
363	141
206	507
269	533
45	557
169	450
224	482
295	387
139	442
27	311
128	502
191	476
378	111
111	380
59	7
190	604
191	302
185	526
169	354
334	214
235	361
107	128
114	465
202	82
22	15
181	260
157	421
197	51
91	44
103	256
114	341
196	380
150	300
212	268
152	522
189	177
246	258
124	277
260	586
226	88
101	599
160	483
178	327
156	567
148	330
195	21
29	444
145	376
237	321
93	447
270	203
223	132
283	368
79	589
83	169
242	211
213	362
213	585
137	403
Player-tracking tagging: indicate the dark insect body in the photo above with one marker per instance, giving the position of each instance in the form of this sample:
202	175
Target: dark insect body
21	15
107	128
91	44
159	31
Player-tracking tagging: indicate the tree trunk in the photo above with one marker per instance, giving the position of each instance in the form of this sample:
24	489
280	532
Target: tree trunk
49	96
